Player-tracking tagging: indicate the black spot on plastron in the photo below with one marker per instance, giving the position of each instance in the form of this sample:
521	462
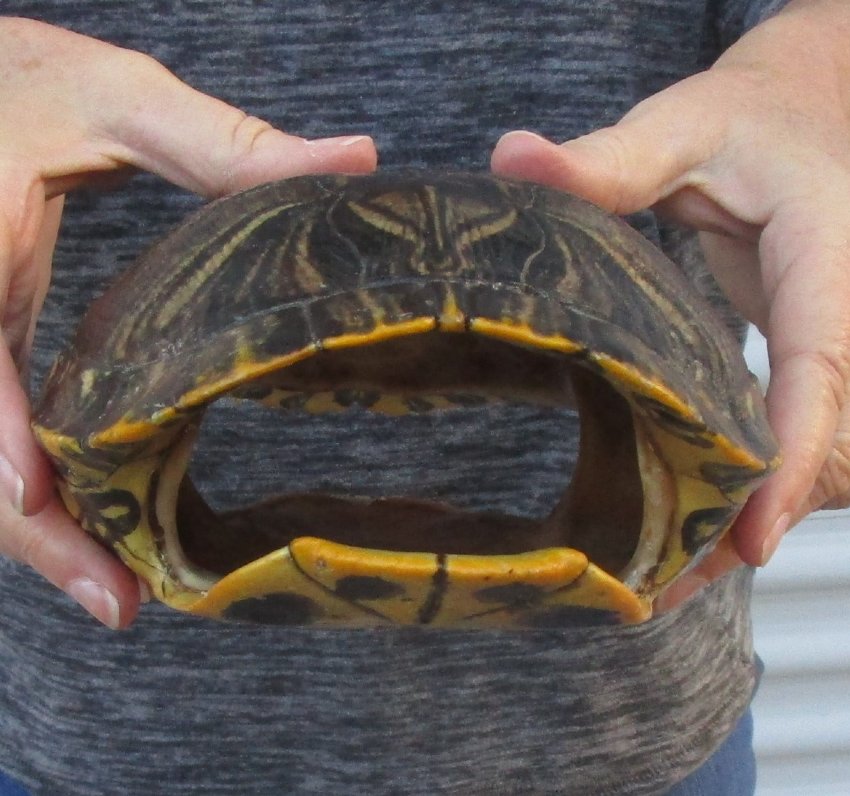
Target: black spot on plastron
571	616
364	398
418	404
285	608
367	587
466	399
116	512
512	594
293	403
702	527
253	392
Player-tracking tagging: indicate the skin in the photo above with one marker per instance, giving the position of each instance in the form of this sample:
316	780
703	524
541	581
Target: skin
75	112
755	156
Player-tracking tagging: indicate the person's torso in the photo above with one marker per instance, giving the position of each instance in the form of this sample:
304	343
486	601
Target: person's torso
229	709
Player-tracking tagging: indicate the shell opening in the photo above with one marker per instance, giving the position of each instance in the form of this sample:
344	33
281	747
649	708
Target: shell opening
615	509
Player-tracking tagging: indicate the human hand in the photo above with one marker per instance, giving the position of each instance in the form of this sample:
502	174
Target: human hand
78	111
754	153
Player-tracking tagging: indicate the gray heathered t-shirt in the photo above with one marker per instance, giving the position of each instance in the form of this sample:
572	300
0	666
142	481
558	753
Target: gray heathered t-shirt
183	706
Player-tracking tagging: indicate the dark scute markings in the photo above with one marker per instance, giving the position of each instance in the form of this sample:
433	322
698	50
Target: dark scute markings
349	238
519	303
368	587
360	312
284	608
106	459
294	403
345	313
115	528
253	392
282	331
748	412
691	433
352	397
242	287
336	253
466	400
418	404
703	526
209	297
729	478
439	586
512	594
399	300
502	257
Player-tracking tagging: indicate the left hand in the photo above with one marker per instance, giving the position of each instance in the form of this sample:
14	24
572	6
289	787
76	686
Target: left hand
754	153
77	111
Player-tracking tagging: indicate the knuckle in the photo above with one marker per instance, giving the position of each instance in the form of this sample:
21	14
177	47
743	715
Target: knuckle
834	368
30	550
828	367
130	83
832	486
614	151
247	131
246	135
832	490
141	64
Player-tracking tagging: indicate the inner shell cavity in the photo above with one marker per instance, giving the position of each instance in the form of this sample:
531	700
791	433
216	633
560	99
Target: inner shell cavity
602	511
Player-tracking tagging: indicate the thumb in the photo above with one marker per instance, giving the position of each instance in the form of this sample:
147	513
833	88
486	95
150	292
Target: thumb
660	148
605	167
82	107
208	146
212	148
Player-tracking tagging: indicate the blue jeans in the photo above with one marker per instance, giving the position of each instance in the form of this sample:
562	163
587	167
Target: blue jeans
8	787
730	771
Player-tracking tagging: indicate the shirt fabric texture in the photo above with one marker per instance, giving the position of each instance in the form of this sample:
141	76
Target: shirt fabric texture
186	706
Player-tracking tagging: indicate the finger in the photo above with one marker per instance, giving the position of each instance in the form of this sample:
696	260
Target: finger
26	478
55	546
653	152
104	108
808	335
29	269
734	262
833	488
722	560
42	267
210	147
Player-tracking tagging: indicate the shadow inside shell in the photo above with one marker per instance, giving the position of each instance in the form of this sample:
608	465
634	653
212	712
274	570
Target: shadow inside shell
599	512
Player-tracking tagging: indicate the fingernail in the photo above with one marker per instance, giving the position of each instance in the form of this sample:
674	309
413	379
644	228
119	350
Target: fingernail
528	134
97	600
12	484
144	591
318	145
772	540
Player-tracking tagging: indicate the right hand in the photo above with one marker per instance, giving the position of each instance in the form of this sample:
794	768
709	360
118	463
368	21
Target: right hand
74	111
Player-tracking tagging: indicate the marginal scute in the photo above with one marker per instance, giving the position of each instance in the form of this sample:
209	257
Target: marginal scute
703	527
463	289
